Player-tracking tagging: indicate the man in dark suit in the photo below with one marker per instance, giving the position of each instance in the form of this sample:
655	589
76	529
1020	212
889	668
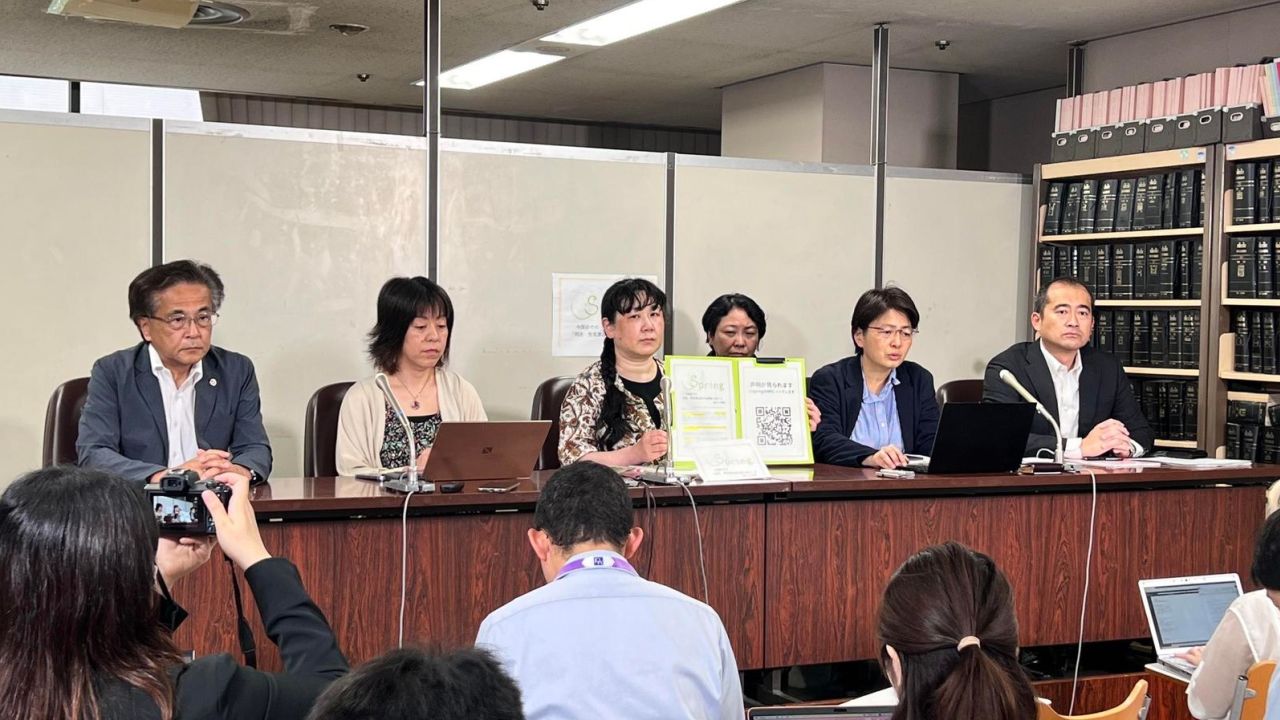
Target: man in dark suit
1084	388
174	400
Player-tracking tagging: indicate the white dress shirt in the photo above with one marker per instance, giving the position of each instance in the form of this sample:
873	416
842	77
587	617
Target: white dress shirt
1066	388
603	643
179	408
1248	633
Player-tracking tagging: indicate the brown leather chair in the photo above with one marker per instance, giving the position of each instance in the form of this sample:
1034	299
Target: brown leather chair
320	438
62	422
965	391
546	406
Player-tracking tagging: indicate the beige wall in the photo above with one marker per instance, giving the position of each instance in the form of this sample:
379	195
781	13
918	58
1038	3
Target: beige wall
822	113
1196	46
777	117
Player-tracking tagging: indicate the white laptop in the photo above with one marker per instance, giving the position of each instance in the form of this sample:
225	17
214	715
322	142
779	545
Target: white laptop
1183	612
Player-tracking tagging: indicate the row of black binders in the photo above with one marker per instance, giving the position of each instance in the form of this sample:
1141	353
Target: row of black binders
1152	202
1165	339
1251	430
1255	342
1169	269
1255	191
1169	406
1251	267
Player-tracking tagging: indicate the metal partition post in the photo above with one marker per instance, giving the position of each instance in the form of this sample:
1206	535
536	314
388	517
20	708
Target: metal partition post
431	129
1075	70
879	119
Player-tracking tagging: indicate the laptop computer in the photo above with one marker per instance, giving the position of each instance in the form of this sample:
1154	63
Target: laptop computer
1183	612
978	438
822	712
485	450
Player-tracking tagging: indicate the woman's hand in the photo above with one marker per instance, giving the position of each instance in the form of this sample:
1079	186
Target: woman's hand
651	446
179	556
815	415
236	525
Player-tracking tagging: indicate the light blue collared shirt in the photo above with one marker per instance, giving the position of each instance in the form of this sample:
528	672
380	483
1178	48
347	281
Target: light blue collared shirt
878	423
604	643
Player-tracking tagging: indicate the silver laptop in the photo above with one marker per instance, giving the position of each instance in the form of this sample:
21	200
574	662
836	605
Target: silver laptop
822	712
1183	612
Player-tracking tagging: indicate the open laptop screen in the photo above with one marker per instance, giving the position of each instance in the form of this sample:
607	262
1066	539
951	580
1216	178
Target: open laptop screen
1186	615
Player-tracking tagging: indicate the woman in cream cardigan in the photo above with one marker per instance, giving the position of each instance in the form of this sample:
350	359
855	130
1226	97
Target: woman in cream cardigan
410	343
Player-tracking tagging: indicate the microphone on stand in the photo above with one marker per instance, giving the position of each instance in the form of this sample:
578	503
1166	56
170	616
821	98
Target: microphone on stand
1008	379
668	464
410	483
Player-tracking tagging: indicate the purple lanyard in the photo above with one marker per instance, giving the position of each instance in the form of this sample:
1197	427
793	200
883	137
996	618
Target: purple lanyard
604	561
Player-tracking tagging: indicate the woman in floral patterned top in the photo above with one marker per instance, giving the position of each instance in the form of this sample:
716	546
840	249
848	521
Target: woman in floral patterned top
612	413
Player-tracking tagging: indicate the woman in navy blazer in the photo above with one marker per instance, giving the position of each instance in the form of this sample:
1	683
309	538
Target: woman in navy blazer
902	412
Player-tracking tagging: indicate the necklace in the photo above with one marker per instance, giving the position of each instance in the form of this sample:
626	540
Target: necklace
415	404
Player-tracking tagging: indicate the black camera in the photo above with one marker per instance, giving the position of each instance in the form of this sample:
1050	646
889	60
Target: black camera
177	504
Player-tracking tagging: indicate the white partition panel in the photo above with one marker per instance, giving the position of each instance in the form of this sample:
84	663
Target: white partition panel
796	237
304	227
75	198
510	216
957	242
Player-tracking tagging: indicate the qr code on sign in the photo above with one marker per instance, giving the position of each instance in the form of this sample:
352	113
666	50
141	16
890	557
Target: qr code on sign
773	425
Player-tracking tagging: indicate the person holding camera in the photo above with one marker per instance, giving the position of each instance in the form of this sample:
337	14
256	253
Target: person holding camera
82	635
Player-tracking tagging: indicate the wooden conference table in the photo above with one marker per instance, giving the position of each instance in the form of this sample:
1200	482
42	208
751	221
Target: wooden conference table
795	566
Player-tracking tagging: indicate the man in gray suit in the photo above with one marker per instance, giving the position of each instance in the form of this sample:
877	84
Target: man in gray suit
174	400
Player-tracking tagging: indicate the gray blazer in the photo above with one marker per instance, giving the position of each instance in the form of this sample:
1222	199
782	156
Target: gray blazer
123	429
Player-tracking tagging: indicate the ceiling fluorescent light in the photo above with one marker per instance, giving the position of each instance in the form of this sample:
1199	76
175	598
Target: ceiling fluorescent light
634	19
492	68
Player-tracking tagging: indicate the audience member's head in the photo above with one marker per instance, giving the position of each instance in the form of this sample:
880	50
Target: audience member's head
950	639
1266	557
415	684
78	548
584	506
734	325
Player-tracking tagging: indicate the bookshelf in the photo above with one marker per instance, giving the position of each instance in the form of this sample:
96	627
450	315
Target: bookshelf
1245	386
1204	380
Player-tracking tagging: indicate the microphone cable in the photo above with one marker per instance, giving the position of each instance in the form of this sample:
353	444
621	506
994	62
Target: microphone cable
702	558
650	507
404	564
1084	602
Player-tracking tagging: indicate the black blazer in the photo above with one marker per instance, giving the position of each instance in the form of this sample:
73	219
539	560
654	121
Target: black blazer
123	428
216	686
1105	393
837	391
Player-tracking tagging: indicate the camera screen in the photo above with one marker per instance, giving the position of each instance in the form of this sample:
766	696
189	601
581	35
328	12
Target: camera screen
171	511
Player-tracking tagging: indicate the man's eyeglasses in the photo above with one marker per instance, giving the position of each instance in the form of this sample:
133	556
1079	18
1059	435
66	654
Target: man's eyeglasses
888	333
180	322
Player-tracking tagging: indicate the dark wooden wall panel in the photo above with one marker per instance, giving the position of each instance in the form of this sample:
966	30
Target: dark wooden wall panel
828	561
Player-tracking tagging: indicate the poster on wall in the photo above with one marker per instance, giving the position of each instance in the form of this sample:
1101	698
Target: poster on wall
575	312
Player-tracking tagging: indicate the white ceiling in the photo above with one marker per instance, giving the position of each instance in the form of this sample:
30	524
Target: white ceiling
671	76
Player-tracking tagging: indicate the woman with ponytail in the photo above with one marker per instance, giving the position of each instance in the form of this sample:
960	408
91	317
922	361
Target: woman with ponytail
612	413
949	639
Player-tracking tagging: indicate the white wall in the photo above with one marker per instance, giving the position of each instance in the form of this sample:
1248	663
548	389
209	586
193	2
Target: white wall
1196	46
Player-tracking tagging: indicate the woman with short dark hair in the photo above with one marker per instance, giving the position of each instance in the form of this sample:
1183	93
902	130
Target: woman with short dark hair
82	632
949	639
735	325
410	344
612	413
876	406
